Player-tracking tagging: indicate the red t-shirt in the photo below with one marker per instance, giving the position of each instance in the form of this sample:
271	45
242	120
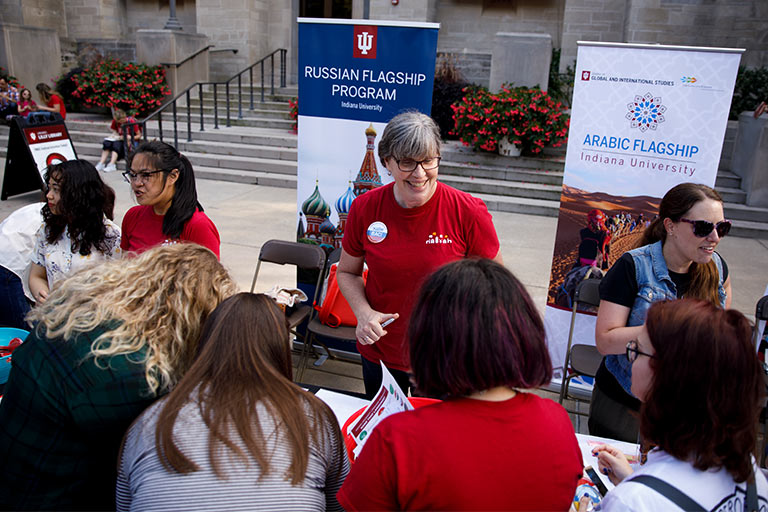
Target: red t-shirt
464	454
143	229
450	226
56	100
118	127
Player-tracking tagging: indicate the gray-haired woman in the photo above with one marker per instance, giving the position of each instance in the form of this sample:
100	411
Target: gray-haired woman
403	231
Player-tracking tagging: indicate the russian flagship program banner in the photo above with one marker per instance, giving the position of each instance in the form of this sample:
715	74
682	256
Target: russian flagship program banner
645	118
354	76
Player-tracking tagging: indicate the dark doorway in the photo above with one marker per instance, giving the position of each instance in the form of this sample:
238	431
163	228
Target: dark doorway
325	9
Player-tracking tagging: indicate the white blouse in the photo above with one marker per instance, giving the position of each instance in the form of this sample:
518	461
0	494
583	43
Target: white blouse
59	260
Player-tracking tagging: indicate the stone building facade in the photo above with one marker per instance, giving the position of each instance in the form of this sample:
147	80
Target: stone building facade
468	27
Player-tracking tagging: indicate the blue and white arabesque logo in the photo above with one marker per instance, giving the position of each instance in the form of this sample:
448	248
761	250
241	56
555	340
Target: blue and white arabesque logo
646	112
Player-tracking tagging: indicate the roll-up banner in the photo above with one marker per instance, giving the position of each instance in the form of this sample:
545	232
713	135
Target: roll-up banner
354	76
644	119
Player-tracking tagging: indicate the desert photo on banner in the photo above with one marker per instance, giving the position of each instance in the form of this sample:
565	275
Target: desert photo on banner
594	229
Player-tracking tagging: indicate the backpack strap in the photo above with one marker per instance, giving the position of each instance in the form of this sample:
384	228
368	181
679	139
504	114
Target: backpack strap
670	492
751	504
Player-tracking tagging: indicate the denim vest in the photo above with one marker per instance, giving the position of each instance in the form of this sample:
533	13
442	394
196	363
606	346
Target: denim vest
653	285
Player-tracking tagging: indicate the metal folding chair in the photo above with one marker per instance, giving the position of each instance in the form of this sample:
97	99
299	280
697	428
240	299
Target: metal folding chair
315	328
761	313
580	360
304	256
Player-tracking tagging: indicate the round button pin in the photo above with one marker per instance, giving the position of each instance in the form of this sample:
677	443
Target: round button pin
377	232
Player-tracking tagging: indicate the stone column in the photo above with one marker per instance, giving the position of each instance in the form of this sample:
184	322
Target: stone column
521	59
750	158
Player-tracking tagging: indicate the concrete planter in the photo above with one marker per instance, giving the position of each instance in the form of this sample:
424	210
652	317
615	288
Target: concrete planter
506	148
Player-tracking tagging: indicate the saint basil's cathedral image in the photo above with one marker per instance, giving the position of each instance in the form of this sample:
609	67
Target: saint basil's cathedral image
319	228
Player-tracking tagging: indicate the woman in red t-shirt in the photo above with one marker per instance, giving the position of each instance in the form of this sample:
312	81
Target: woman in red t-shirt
476	340
163	182
52	101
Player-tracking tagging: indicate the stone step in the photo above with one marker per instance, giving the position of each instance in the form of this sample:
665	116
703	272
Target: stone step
544	176
250	177
727	179
209	110
276	102
455	151
742	212
517	189
272	151
732	195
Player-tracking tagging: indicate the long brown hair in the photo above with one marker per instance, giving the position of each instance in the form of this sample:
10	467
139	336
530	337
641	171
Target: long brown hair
244	360
707	386
674	205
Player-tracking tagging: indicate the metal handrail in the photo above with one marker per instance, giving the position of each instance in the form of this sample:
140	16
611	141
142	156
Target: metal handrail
171	104
198	52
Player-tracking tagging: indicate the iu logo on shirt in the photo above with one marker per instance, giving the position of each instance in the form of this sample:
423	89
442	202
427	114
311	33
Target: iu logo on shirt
364	44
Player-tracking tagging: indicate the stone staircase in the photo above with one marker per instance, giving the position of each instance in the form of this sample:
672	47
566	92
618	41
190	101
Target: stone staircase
259	148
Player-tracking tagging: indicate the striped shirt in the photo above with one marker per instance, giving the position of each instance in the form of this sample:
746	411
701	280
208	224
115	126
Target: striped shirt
144	484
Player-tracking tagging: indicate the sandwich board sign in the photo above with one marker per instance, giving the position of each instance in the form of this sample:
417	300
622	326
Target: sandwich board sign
32	147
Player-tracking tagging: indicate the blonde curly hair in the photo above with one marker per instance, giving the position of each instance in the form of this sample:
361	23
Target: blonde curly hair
157	301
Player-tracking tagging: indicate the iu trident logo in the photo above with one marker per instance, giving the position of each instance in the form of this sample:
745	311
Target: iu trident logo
364	46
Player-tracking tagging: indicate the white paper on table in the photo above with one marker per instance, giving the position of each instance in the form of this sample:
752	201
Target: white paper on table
587	444
343	406
390	399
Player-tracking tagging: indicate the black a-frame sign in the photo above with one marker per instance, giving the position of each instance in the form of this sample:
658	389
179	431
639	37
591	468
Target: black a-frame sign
33	145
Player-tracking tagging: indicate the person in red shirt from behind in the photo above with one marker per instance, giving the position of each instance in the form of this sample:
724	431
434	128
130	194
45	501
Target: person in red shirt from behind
476	341
163	182
52	102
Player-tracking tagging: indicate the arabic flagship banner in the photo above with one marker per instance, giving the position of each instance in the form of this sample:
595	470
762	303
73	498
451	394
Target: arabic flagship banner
644	119
354	76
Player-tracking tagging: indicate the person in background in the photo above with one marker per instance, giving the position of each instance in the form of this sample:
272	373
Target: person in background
113	147
402	232
477	341
696	372
52	102
106	344
236	433
9	99
26	103
17	245
676	259
77	230
163	182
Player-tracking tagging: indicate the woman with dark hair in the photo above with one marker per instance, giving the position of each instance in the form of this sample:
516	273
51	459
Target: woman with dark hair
236	433
696	372
77	228
163	182
402	232
51	101
476	340
676	259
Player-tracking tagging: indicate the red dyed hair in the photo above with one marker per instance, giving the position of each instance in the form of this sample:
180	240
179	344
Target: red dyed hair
703	402
474	327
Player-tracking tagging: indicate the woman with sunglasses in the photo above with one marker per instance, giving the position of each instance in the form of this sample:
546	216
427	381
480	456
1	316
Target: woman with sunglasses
676	259
403	231
163	183
695	370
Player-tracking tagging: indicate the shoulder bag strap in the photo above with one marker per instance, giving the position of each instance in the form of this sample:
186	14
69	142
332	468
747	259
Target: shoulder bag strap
670	492
751	500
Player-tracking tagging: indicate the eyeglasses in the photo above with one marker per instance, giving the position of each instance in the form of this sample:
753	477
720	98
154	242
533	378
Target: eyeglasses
141	176
702	228
633	352
409	165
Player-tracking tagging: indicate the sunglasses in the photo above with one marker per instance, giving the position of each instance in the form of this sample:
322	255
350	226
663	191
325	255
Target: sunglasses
702	228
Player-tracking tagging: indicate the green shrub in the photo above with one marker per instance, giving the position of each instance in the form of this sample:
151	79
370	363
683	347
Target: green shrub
751	88
448	89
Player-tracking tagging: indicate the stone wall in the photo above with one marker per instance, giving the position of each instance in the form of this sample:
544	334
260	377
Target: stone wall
722	23
20	54
153	14
468	29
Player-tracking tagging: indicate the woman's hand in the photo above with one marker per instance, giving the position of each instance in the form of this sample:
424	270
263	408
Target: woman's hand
369	329
613	463
38	283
